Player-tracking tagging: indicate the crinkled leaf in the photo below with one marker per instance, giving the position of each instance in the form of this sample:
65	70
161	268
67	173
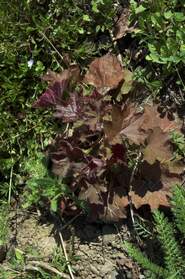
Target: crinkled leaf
158	147
125	122
58	83
154	186
105	73
136	127
71	110
152	118
72	73
52	96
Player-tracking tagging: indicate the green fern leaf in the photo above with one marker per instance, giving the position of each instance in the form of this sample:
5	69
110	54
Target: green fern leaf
143	260
178	208
173	256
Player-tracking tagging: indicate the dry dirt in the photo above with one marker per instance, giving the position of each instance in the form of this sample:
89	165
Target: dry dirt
98	247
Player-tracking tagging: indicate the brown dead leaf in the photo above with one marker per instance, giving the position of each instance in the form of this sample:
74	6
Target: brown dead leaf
175	167
108	201
154	193
149	189
137	127
94	196
112	128
121	26
105	73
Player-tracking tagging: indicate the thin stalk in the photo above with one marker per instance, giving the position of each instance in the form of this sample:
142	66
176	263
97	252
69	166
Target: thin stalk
55	49
10	185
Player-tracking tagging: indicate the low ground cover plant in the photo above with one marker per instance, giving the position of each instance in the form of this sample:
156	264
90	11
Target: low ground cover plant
159	30
91	156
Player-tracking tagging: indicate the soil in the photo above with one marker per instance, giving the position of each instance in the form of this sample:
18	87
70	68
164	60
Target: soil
98	247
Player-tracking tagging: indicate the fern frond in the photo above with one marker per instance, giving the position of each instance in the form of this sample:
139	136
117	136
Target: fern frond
142	228
173	256
178	207
143	260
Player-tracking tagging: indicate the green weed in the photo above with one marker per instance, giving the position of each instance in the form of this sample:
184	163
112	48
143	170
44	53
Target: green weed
172	263
159	28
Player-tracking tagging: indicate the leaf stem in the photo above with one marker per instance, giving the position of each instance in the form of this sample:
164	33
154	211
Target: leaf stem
10	185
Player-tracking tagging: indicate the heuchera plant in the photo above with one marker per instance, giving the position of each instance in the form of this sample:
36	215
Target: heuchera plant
91	154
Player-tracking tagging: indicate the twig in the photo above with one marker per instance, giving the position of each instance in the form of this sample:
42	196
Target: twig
10	185
59	54
34	265
130	186
70	221
181	82
7	268
119	56
66	256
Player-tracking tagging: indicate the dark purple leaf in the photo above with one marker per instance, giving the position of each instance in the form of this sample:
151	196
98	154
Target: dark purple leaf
118	153
70	111
52	96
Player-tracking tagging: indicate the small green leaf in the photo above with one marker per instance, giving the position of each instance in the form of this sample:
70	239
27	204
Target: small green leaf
151	48
98	27
153	57
179	16
140	9
86	18
95	7
182	49
81	30
168	14
128	79
53	205
133	5
19	254
39	67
